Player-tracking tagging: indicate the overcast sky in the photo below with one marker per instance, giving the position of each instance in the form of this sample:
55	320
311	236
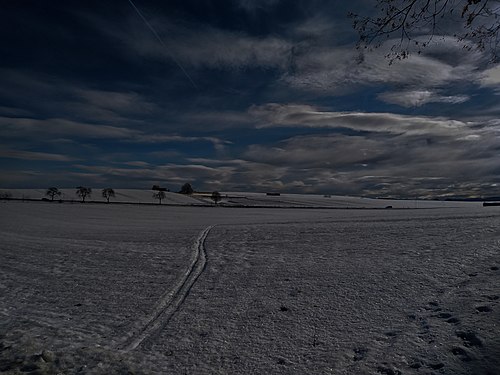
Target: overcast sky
247	95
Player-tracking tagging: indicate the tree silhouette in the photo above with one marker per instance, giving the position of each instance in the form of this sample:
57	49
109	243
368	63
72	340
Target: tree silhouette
108	193
186	189
53	192
5	195
159	195
216	197
83	192
416	22
157	187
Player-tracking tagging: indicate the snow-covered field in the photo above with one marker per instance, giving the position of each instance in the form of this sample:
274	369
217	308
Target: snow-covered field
330	201
108	289
238	199
121	196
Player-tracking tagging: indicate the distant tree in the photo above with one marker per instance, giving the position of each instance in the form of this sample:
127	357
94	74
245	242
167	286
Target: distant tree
216	197
158	188
5	195
53	192
83	192
415	22
186	189
159	195
108	193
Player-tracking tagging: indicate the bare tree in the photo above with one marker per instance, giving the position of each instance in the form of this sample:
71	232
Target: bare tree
108	193
53	192
159	195
416	22
83	192
216	197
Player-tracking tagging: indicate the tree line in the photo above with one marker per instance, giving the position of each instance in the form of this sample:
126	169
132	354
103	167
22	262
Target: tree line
81	191
159	193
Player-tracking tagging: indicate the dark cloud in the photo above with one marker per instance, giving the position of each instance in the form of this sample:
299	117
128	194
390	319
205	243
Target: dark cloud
253	5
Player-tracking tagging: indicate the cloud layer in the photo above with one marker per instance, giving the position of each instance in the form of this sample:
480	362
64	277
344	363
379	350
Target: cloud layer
282	100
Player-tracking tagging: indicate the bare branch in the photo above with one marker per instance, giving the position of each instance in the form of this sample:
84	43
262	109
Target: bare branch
413	19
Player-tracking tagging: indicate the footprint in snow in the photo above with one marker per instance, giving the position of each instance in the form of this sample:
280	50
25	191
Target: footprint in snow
436	366
359	354
469	338
387	371
434	306
424	324
444	315
483	308
416	365
461	353
449	318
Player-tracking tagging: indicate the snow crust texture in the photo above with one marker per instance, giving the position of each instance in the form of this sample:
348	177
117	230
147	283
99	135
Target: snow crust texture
103	289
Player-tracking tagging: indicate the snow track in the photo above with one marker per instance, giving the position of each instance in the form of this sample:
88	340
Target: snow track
171	300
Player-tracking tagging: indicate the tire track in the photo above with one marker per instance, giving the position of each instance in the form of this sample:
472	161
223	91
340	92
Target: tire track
171	300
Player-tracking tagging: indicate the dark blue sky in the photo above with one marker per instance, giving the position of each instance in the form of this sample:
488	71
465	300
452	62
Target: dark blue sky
240	95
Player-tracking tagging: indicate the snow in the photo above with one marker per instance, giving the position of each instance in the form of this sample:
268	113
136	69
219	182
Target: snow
238	199
165	289
121	196
329	201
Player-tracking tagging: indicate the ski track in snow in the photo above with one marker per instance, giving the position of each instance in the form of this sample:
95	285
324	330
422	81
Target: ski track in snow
171	300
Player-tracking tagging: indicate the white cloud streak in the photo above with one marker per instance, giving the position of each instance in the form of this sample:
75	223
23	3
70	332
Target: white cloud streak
49	128
12	127
338	70
31	155
201	45
305	116
418	98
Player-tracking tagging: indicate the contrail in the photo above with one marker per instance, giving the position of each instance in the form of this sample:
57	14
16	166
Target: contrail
161	42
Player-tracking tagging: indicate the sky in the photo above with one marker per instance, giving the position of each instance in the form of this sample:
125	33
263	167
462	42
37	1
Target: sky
242	95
